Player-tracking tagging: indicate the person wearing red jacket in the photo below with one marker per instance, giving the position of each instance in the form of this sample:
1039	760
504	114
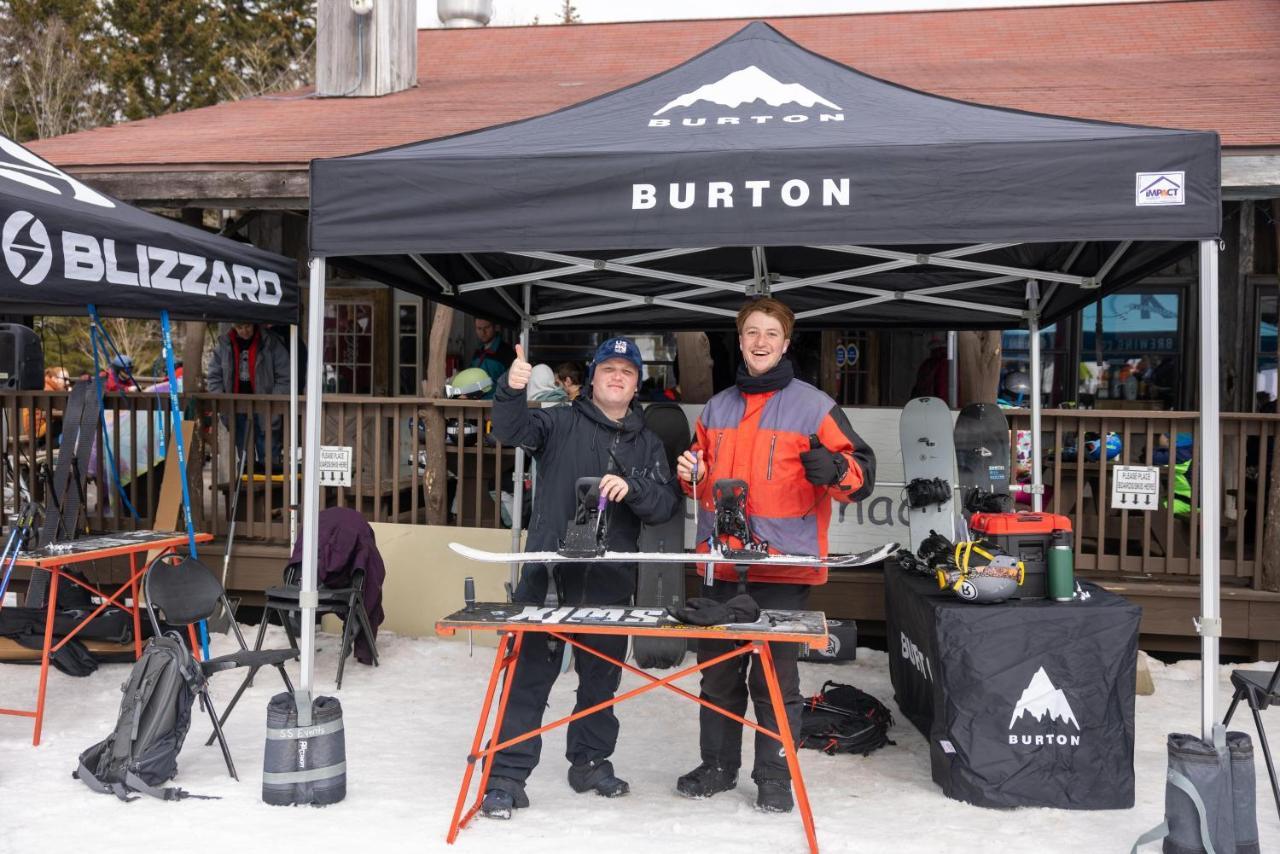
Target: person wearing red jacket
796	451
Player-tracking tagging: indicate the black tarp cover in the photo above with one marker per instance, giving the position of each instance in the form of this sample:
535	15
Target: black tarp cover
64	246
760	142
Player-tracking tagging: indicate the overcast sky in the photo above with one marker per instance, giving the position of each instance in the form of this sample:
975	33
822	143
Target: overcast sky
517	12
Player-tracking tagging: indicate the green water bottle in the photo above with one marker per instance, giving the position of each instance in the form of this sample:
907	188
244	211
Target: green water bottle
1062	564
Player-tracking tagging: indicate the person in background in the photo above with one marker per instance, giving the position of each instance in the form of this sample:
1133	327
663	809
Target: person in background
249	361
543	386
932	379
494	354
569	378
119	374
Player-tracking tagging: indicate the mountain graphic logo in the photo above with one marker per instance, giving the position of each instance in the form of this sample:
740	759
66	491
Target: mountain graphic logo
748	85
1043	702
28	253
21	166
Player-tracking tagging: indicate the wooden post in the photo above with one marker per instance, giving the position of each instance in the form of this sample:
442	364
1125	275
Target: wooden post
979	357
1271	538
436	484
366	55
693	355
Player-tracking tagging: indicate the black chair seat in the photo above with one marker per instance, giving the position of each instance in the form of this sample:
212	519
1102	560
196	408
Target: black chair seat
1255	683
249	658
283	597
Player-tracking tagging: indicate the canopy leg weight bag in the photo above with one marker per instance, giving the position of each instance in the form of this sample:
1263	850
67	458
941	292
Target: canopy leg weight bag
1210	799
304	765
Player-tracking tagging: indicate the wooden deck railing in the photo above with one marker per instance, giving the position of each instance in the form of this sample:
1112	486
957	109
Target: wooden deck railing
388	437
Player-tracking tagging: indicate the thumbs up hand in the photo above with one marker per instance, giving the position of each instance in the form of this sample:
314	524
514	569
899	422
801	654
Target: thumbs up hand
519	372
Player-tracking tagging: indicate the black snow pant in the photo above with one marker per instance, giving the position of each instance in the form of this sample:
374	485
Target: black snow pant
728	683
591	738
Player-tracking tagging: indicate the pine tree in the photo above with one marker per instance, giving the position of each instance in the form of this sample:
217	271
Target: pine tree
569	13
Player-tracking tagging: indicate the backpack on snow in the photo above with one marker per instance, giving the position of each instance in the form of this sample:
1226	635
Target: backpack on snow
141	754
843	719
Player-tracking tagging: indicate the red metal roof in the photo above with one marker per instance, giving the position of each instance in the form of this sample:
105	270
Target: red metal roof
1199	65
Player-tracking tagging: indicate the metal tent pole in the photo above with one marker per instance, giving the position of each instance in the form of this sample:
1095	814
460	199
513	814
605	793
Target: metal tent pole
953	372
517	479
1033	326
293	435
1210	623
311	491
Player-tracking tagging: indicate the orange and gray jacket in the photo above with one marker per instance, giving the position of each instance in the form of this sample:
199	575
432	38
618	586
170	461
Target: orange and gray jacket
758	438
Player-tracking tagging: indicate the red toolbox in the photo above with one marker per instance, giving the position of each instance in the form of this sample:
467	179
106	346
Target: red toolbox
1027	536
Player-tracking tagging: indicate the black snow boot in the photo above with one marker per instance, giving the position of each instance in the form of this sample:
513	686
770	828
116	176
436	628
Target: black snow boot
774	796
597	776
502	798
707	780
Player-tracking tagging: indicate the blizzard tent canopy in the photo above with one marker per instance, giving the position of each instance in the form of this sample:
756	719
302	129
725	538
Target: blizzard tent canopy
65	245
761	166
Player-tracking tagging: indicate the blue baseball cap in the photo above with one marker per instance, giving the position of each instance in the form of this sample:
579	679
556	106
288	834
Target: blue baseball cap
617	348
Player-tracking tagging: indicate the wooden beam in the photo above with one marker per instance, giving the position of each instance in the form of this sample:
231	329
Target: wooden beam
261	188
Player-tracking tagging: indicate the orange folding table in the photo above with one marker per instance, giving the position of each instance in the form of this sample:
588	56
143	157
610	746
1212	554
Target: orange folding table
514	621
56	556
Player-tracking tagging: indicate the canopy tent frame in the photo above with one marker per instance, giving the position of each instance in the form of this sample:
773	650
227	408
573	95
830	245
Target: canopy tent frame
570	207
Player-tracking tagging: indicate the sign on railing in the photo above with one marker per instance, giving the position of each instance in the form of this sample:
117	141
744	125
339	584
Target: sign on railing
1135	487
335	465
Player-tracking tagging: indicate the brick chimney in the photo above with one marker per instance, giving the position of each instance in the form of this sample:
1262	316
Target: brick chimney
366	47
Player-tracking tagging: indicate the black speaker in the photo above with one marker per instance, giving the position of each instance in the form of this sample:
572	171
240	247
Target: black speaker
21	358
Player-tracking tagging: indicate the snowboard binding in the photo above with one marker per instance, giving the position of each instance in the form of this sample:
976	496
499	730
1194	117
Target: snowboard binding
589	530
731	522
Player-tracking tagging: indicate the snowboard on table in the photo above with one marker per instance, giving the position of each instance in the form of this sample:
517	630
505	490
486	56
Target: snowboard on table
929	466
662	584
739	557
982	458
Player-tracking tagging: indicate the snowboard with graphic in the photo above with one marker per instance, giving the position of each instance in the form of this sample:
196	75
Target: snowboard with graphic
662	584
740	558
982	458
929	465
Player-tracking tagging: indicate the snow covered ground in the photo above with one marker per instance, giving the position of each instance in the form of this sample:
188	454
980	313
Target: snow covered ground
409	724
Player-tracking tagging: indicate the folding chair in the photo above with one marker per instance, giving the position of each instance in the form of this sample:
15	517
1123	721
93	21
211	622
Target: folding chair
344	602
1259	691
185	591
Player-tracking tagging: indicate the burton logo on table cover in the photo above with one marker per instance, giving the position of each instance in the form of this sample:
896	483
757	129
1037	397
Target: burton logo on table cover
912	654
1042	712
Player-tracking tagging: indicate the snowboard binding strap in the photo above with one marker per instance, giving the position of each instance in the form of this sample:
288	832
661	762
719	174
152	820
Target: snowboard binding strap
588	532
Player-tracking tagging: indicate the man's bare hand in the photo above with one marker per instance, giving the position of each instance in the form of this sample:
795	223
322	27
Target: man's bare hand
519	372
613	487
687	464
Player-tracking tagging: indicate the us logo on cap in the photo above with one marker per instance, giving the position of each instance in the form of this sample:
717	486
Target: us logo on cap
619	346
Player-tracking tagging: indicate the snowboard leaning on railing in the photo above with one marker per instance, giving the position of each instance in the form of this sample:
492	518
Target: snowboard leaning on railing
141	753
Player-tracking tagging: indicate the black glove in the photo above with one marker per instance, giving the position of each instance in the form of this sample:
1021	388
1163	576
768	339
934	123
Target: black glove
821	466
701	611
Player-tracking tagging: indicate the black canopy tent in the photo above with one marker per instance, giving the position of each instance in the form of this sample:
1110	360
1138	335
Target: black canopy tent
66	246
759	167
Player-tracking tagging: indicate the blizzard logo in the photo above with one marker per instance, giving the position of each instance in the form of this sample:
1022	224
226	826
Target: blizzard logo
622	616
749	85
912	653
29	256
27	251
793	193
18	164
1044	706
1160	188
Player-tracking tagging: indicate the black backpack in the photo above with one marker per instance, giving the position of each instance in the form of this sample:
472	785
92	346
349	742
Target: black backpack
141	754
843	719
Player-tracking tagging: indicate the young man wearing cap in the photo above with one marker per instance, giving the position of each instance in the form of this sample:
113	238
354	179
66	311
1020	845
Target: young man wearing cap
600	435
796	451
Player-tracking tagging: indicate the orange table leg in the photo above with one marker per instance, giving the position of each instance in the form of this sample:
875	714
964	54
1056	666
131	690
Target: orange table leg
788	742
137	606
44	655
504	666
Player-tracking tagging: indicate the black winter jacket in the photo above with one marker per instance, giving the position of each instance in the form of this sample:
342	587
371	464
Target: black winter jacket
576	441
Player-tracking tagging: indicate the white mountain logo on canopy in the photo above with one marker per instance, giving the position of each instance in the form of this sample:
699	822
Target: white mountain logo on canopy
1044	705
19	165
747	85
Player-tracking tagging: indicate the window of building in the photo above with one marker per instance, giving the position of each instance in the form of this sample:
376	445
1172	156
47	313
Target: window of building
1136	362
1015	366
408	348
1264	385
348	346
